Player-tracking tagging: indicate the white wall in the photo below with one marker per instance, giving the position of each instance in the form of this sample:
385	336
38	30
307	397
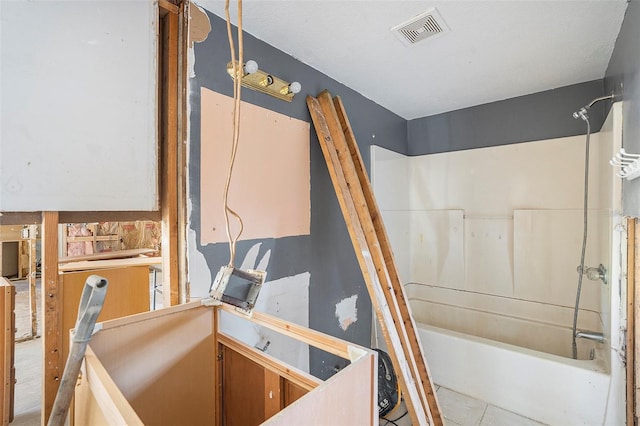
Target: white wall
504	221
78	94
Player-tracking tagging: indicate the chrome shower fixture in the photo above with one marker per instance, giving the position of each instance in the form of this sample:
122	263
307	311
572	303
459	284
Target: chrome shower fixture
594	274
582	112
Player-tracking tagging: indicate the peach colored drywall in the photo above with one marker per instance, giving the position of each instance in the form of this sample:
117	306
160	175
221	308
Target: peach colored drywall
270	185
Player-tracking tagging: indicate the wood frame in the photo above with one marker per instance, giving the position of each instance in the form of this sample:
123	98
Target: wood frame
373	251
7	350
169	59
633	316
33	305
53	364
129	352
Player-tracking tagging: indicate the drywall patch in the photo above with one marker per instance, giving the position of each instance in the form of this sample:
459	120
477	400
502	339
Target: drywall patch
346	312
200	26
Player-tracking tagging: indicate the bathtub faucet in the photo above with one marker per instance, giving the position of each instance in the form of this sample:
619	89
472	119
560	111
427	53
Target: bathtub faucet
590	335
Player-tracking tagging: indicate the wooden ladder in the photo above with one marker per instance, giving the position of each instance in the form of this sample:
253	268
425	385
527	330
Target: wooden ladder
375	257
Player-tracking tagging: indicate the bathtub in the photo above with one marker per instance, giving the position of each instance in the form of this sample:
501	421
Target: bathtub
542	385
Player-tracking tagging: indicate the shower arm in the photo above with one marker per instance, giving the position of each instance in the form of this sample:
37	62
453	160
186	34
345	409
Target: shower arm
596	100
582	112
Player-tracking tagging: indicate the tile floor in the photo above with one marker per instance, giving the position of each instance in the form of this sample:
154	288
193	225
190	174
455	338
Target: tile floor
462	410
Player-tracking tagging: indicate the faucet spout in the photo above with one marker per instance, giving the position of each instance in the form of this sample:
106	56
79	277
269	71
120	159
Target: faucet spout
590	335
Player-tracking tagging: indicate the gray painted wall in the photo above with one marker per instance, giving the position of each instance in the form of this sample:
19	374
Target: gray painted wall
543	115
327	253
623	77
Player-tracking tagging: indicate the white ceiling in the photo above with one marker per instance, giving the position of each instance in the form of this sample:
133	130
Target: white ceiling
495	49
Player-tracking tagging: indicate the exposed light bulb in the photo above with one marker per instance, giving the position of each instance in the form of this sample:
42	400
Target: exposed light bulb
295	87
250	67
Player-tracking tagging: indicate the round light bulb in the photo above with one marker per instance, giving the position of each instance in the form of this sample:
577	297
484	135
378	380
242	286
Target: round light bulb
251	66
295	87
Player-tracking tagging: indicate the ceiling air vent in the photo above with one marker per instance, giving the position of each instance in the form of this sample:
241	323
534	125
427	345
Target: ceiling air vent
421	27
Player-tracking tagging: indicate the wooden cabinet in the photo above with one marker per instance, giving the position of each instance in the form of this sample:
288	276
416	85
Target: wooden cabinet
174	366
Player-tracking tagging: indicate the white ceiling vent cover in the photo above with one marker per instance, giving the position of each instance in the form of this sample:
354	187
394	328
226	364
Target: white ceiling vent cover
421	27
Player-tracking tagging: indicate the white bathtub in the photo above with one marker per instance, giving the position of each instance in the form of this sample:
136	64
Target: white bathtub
548	388
512	353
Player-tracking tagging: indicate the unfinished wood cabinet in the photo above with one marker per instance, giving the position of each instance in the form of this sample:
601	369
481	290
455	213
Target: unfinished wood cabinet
174	367
7	350
128	294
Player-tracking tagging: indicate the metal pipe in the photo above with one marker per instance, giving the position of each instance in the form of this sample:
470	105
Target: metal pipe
590	335
602	98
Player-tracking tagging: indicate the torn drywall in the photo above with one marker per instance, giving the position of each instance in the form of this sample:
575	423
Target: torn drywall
347	312
286	298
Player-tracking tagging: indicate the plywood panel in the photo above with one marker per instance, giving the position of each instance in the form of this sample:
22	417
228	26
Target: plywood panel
128	294
489	255
437	248
345	399
547	247
390	177
398	224
270	187
497	180
163	362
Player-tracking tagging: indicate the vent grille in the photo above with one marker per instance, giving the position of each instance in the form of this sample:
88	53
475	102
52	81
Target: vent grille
421	27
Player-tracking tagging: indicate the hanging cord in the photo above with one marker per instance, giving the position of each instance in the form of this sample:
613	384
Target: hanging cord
236	126
574	346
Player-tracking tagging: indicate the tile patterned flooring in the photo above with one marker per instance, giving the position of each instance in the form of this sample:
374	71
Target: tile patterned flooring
462	410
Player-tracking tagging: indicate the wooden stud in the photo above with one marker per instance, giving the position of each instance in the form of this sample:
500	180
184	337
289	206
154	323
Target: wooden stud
630	321
351	149
7	350
33	242
169	192
166	6
183	118
633	316
364	212
369	272
51	307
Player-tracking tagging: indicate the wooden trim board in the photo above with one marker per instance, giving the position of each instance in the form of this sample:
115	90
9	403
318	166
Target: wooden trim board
51	314
314	338
7	350
405	317
33	242
633	316
109	263
119	254
376	263
169	58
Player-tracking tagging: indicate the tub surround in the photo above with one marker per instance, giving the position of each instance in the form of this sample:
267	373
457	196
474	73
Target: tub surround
487	242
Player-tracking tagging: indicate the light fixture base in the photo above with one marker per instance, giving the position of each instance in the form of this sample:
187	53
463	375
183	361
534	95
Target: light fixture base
263	82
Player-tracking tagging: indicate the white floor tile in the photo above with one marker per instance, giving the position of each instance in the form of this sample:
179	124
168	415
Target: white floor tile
460	409
495	416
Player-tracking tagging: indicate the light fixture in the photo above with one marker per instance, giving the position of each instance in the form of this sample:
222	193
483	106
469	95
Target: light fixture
256	79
